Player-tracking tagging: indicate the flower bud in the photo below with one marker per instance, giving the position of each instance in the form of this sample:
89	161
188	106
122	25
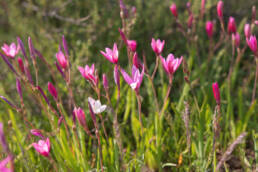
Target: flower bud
247	30
216	92
173	10
203	7
117	77
21	65
209	28
18	87
190	21
136	61
52	90
220	9
231	25
236	39
36	132
253	13
132	44
252	43
105	81
61	59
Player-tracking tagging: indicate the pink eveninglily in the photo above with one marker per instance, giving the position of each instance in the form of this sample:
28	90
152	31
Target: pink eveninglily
61	59
171	64
10	51
111	55
43	147
89	73
157	46
135	80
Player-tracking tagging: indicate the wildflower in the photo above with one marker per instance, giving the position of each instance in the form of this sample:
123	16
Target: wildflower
52	90
96	106
43	147
209	28
247	30
220	9
171	64
36	132
131	44
4	163
231	25
256	22
61	59
173	10
216	92
111	55
105	81
252	43
10	51
236	39
136	79
89	73
80	115
157	46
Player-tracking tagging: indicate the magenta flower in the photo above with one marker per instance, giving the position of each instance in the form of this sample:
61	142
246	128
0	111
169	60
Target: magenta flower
111	55
89	73
52	90
10	51
21	65
256	22
157	46
173	10
236	39
171	64
132	44
18	87
247	30
220	9
42	147
80	115
62	59
231	25
4	163
252	43
36	132
209	28
135	80
190	21
216	92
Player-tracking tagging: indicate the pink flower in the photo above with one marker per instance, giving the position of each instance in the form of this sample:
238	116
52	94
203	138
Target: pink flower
135	80
256	22
216	92
52	90
209	28
236	39
171	64
231	25
247	30
10	51
220	9
173	10
252	43
80	115
111	55
4	163
21	65
132	44
36	132
43	147
61	59
203	6
89	73
157	46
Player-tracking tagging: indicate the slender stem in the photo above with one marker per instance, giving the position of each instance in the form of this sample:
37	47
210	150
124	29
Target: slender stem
100	149
255	81
103	126
232	63
154	92
139	110
156	67
166	98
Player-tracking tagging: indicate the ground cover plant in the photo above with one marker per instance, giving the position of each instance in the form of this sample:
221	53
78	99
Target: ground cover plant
192	107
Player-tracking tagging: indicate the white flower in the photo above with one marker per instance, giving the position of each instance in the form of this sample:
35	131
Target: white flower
96	105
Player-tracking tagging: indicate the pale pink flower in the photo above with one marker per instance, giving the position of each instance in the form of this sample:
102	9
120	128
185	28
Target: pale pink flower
10	51
171	64
236	39
43	147
96	106
247	30
111	55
